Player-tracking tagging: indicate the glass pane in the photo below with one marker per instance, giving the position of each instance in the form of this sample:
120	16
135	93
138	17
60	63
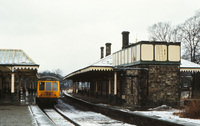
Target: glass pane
55	86
48	86
41	86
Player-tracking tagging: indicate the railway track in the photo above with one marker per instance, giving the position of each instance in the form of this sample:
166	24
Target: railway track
86	117
58	118
64	114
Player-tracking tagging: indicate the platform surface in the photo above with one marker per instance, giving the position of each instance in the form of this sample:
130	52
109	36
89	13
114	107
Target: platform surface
16	116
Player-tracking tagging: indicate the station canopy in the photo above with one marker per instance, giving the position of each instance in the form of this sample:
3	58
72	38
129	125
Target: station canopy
101	66
17	61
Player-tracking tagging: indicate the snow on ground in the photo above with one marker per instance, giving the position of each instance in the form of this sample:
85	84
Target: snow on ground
88	118
166	113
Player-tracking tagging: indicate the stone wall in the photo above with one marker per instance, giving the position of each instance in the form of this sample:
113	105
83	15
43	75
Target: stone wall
163	86
159	85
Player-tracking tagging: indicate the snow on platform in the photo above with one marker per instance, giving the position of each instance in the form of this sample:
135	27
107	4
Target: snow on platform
167	115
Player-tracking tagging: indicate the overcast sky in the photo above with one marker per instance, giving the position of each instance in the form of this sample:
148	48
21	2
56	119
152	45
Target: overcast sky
68	34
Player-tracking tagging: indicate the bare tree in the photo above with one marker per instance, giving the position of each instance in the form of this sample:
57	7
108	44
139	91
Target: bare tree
56	73
162	31
189	34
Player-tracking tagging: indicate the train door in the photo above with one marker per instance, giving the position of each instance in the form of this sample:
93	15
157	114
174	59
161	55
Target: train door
56	89
41	89
48	89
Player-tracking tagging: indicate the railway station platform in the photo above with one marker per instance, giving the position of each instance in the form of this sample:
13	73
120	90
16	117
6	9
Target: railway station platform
26	98
17	114
23	115
24	111
92	99
104	100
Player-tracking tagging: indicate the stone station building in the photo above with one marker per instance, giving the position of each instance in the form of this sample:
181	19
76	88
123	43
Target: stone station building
146	73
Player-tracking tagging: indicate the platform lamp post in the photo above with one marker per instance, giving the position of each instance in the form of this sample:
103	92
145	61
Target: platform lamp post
12	86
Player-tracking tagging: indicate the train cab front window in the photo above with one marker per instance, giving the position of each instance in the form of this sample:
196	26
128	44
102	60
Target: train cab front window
41	86
48	86
55	86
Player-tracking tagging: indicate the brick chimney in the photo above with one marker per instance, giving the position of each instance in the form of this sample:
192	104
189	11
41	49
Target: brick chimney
102	50
108	49
125	39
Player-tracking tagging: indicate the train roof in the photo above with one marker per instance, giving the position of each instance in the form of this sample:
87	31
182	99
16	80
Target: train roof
49	78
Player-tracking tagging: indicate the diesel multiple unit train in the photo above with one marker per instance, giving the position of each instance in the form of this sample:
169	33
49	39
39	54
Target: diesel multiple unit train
48	90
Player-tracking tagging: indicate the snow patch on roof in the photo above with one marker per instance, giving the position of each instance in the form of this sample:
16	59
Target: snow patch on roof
106	61
188	64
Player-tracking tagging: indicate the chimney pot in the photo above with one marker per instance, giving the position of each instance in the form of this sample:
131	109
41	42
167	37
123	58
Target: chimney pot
102	50
125	39
108	49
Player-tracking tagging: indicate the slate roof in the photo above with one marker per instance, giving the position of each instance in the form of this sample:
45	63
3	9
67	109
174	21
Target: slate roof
15	57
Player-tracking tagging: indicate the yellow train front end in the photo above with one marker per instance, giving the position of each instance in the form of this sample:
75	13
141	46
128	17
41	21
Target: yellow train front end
48	90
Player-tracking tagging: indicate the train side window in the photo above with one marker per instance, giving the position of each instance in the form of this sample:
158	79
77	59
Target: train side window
55	86
48	86
41	86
